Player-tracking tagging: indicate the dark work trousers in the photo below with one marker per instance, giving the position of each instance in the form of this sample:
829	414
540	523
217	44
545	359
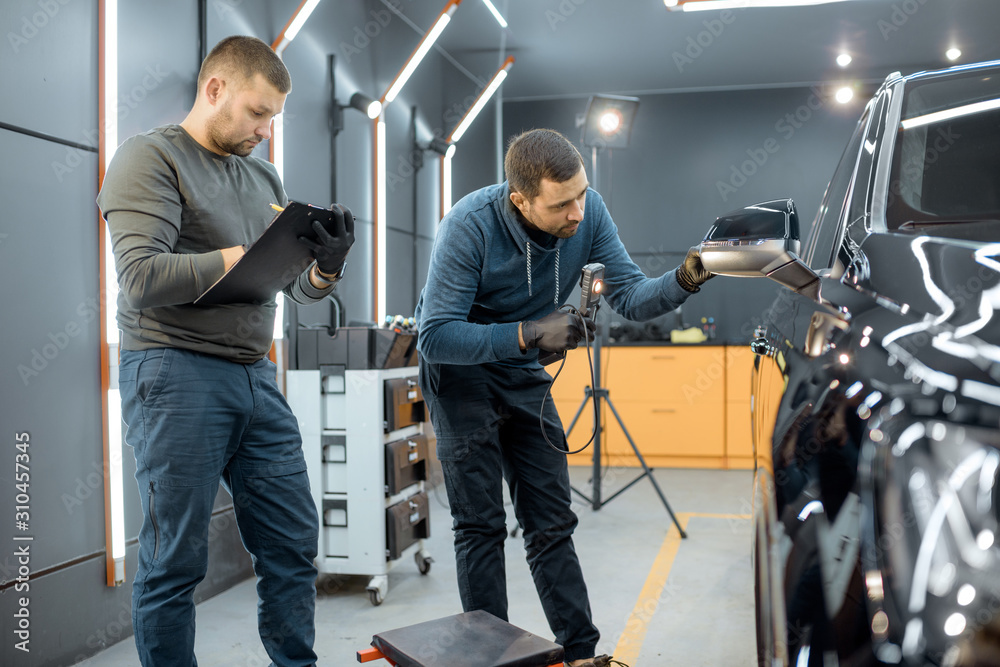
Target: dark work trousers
193	419
486	422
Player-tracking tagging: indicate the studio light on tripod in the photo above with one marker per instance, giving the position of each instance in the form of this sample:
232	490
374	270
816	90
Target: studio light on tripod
608	121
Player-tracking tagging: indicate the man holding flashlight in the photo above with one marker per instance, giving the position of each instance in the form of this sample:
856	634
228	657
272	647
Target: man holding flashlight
505	259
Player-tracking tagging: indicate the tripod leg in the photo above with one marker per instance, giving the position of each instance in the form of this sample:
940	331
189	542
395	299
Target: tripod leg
579	411
587	395
648	472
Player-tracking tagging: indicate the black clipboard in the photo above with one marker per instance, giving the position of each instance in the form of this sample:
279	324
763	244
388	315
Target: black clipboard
272	262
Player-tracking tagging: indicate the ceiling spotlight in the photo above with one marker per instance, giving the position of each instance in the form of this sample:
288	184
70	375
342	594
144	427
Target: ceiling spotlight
844	59
361	102
953	54
844	95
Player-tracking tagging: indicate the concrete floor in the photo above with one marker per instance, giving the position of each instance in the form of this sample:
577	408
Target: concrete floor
658	600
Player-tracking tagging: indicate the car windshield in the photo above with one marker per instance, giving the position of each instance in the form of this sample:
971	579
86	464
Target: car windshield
945	178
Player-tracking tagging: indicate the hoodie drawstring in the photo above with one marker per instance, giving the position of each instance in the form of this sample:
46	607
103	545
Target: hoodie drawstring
527	254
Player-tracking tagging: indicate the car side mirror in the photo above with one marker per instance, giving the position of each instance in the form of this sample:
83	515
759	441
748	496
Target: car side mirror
760	240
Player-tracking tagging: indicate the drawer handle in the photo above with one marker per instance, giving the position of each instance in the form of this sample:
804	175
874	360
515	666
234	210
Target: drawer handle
663	356
663	410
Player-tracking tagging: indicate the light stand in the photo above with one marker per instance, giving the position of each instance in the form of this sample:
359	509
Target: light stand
600	394
595	135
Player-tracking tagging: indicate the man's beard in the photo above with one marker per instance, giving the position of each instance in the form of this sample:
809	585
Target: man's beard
218	128
560	233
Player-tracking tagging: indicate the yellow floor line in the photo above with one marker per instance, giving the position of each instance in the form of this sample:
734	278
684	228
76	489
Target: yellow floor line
631	639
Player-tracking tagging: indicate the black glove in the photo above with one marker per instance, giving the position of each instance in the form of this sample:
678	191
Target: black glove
332	243
691	273
558	331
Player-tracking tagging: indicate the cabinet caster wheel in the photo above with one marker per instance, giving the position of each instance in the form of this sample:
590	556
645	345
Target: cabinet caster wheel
423	562
377	589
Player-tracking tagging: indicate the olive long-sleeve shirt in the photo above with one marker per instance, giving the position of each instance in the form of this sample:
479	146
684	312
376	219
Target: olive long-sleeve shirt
171	205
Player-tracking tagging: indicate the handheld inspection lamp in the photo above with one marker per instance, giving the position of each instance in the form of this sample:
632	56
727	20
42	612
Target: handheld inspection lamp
591	286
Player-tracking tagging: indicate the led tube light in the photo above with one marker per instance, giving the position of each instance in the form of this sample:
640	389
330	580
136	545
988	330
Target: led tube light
114	509
481	101
422	48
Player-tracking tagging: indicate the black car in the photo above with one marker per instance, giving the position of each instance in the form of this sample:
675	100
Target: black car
876	391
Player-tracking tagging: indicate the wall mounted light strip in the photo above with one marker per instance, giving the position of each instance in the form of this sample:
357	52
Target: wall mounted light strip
445	184
463	125
294	24
379	231
481	101
496	13
114	511
418	54
379	240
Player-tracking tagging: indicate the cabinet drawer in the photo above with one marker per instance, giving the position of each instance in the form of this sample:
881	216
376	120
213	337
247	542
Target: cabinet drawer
404	404
667	429
406	522
405	463
673	374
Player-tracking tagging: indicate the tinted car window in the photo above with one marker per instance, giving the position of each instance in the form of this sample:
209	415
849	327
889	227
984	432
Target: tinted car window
945	177
825	233
764	227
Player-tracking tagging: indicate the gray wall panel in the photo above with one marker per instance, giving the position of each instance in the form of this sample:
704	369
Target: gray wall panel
260	18
49	67
69	620
400	256
50	367
158	64
68	627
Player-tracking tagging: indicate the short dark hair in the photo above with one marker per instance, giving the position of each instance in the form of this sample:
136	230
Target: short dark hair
540	154
241	57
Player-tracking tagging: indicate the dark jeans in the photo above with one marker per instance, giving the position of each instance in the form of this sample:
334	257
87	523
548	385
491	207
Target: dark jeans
487	425
192	420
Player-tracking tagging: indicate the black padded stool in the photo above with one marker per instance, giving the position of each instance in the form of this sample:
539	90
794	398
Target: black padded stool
472	639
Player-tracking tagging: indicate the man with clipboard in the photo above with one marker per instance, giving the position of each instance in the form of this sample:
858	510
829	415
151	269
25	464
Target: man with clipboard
199	396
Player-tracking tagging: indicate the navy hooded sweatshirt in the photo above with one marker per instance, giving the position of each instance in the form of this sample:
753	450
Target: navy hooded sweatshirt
486	275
